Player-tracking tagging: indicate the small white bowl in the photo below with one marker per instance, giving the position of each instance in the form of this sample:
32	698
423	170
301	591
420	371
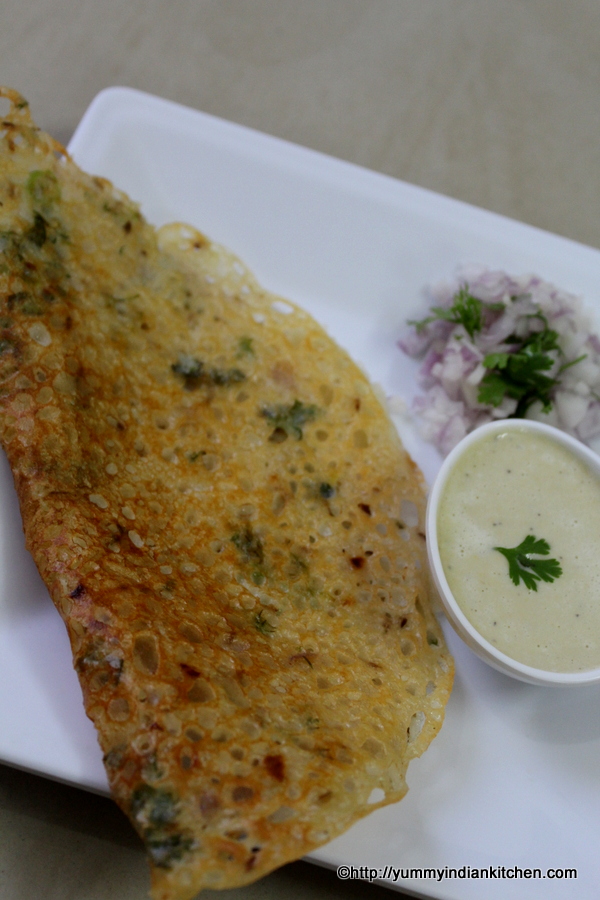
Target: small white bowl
483	648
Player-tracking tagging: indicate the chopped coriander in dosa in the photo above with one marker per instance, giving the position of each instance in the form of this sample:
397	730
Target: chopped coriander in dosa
226	521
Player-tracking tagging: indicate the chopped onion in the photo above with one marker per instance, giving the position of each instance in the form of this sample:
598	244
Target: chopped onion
452	361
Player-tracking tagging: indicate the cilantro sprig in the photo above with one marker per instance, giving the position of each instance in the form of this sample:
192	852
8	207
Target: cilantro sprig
522	566
520	372
288	419
526	367
466	310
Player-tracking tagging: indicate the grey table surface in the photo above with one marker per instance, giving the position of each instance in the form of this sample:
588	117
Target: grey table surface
497	104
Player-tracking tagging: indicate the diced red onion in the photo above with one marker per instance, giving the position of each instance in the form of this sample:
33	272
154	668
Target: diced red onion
452	361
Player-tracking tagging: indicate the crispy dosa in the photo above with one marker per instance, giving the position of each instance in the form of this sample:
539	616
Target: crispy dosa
226	521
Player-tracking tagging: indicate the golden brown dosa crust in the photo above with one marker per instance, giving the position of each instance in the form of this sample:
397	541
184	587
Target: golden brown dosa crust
226	521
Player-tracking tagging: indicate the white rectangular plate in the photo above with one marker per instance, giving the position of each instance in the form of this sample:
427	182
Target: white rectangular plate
513	779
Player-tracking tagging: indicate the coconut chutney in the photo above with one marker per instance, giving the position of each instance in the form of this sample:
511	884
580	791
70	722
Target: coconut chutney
504	487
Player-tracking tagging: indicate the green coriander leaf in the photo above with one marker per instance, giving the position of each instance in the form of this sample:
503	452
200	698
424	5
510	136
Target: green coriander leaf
245	347
155	805
421	324
492	389
531	544
225	377
195	374
189	368
466	310
523	567
43	187
548	569
289	419
496	360
165	849
542	341
249	545
519	374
